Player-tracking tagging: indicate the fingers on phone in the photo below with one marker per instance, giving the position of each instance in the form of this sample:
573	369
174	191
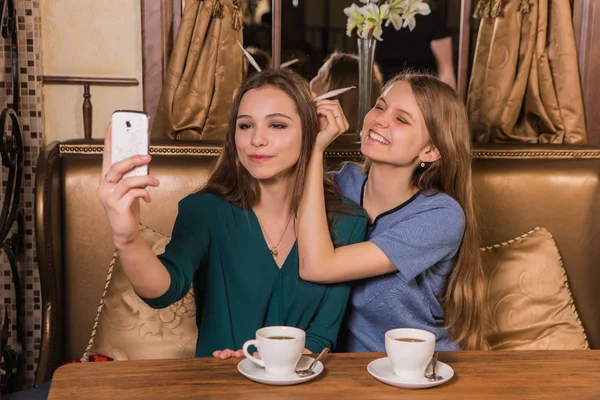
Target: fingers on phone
118	169
132	183
134	194
122	204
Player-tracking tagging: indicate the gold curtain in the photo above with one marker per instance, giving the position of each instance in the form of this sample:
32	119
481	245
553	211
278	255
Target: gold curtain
525	83
204	71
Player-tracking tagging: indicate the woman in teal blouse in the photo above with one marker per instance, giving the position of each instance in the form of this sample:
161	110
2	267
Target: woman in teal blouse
235	239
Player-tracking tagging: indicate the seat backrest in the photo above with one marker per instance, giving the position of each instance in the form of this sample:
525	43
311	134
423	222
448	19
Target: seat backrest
518	188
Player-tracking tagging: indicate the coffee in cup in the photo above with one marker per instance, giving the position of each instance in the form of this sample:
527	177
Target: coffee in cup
279	347
409	351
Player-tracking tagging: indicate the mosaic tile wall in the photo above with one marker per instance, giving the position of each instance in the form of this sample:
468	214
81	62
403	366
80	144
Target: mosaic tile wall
28	28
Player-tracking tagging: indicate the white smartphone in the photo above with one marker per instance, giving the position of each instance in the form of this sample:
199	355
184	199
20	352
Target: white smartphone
130	137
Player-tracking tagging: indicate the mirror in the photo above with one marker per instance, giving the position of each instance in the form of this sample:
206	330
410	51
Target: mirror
313	30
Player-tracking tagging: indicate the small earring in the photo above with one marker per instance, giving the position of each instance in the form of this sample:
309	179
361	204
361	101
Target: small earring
422	165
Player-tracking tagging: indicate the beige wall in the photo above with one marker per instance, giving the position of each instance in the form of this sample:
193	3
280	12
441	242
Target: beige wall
89	38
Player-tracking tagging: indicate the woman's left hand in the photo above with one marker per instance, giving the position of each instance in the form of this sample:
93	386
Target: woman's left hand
332	123
227	353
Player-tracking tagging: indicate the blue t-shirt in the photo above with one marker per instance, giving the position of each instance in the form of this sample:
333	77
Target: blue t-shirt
421	237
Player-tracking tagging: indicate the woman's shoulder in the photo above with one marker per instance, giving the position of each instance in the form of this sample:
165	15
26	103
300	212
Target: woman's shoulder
348	171
353	169
349	180
441	203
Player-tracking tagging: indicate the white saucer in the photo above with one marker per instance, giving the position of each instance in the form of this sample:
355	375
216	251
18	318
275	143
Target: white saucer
381	370
258	374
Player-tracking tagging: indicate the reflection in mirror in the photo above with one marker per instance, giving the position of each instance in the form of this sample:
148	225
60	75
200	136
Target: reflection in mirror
313	29
314	33
256	19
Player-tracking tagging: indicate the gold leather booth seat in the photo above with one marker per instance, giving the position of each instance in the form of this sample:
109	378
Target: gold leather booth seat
518	188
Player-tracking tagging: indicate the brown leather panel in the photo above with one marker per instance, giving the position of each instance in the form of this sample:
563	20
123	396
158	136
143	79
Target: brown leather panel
563	196
87	248
86	231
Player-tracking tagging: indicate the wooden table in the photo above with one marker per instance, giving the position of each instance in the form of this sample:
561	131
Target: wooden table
571	375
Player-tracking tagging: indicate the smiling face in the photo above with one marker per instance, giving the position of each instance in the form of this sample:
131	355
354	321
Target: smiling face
394	131
268	133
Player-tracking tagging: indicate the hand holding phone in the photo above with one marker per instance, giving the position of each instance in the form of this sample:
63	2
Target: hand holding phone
126	137
130	137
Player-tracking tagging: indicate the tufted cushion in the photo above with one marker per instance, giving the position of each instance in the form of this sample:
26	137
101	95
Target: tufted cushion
127	329
528	296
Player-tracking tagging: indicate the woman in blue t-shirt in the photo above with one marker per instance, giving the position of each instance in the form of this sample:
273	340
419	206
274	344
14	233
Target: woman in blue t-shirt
420	266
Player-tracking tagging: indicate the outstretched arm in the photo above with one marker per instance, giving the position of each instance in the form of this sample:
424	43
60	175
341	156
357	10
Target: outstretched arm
120	198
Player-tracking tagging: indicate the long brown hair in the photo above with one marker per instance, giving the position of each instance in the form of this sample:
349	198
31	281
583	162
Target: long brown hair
342	71
448	125
232	182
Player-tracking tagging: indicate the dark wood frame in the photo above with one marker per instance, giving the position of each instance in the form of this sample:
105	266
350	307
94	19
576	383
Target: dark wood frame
158	35
464	37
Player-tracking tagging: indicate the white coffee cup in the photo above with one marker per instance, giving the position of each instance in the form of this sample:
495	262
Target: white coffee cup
409	351
279	347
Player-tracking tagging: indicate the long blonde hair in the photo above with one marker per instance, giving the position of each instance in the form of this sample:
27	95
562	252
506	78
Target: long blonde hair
447	122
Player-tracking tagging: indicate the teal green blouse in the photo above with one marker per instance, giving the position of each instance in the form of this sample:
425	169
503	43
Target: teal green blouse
237	284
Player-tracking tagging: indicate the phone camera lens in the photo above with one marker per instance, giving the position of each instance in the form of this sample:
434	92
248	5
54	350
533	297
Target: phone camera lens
128	124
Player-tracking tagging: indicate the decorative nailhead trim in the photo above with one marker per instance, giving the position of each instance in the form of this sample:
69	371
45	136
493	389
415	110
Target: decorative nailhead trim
80	149
155	150
536	154
562	268
353	154
165	150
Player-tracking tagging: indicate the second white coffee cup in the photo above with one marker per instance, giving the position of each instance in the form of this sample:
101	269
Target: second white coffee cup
409	351
279	347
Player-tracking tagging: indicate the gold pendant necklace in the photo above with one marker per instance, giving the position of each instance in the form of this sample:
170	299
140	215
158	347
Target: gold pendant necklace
273	250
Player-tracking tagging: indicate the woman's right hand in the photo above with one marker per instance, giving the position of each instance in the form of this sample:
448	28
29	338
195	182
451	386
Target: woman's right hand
332	123
119	196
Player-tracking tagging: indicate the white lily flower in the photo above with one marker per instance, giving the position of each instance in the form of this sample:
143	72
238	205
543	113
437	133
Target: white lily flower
403	12
368	19
355	18
395	19
374	16
414	7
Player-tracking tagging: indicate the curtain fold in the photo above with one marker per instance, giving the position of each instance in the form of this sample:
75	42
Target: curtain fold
525	84
205	69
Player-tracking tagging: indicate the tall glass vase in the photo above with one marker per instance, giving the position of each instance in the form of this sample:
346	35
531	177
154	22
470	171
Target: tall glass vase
366	55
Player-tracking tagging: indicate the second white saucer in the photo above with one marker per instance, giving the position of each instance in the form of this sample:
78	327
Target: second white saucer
258	374
381	369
